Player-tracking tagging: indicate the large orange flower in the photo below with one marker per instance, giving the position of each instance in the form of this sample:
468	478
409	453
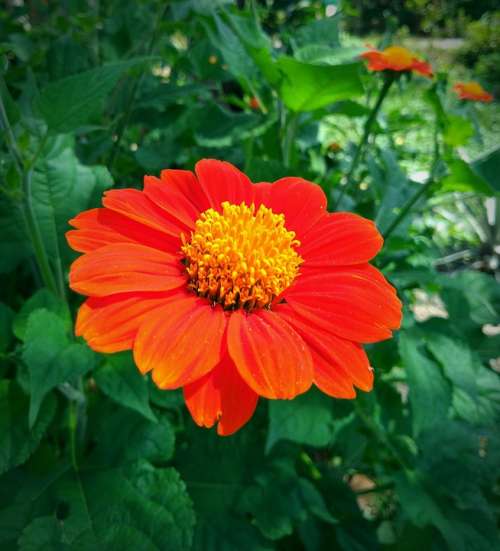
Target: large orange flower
232	290
472	91
396	58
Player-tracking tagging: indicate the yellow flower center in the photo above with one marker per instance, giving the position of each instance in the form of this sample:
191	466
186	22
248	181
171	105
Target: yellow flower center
242	257
398	56
473	88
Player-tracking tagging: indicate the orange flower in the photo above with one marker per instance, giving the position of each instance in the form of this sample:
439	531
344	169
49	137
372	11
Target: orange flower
472	91
232	290
254	103
396	58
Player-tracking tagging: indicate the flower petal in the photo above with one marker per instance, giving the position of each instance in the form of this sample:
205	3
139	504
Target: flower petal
340	239
222	181
181	341
270	356
99	227
178	193
125	267
303	203
110	324
221	395
135	204
354	303
338	363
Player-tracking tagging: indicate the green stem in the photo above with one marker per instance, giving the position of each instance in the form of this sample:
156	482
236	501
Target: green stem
27	206
73	423
358	155
421	192
288	139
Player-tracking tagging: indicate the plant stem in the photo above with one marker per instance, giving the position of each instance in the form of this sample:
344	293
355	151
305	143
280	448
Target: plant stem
27	206
358	155
291	123
422	191
73	423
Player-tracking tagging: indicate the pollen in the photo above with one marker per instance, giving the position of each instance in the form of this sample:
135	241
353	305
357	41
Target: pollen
398	56
241	258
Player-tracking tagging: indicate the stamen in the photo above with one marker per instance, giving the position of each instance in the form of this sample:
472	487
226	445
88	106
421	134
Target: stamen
241	258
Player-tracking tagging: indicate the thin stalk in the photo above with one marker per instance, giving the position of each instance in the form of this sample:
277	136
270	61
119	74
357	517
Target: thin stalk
289	137
421	192
27	206
358	155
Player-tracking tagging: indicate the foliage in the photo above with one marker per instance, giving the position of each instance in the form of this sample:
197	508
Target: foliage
92	455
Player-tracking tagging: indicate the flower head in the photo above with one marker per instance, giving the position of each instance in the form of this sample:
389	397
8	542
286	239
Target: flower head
472	91
254	103
232	290
396	58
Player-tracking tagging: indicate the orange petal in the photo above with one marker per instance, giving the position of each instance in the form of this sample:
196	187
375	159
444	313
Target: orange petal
341	238
181	341
125	267
110	324
99	227
221	181
178	193
355	303
270	356
303	203
135	204
222	396
338	363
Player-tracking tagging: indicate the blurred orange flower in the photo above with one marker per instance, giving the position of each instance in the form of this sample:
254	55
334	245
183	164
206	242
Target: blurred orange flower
472	91
232	290
396	58
254	103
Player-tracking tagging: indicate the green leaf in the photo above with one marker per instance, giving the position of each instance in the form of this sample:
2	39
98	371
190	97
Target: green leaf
141	507
51	357
17	440
120	379
488	167
308	419
458	130
429	392
463	178
42	534
63	187
14	247
133	437
306	87
41	299
6	316
218	127
73	101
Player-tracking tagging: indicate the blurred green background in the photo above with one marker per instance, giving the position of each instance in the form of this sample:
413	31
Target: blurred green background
98	93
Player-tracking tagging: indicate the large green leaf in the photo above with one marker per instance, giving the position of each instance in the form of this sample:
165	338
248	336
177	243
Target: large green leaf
52	358
429	392
17	440
488	167
463	178
63	187
306	86
71	102
308	419
140	508
120	379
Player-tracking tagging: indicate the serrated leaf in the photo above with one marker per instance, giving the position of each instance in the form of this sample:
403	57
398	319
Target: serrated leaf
17	440
51	357
72	101
308	419
43	298
120	379
61	188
